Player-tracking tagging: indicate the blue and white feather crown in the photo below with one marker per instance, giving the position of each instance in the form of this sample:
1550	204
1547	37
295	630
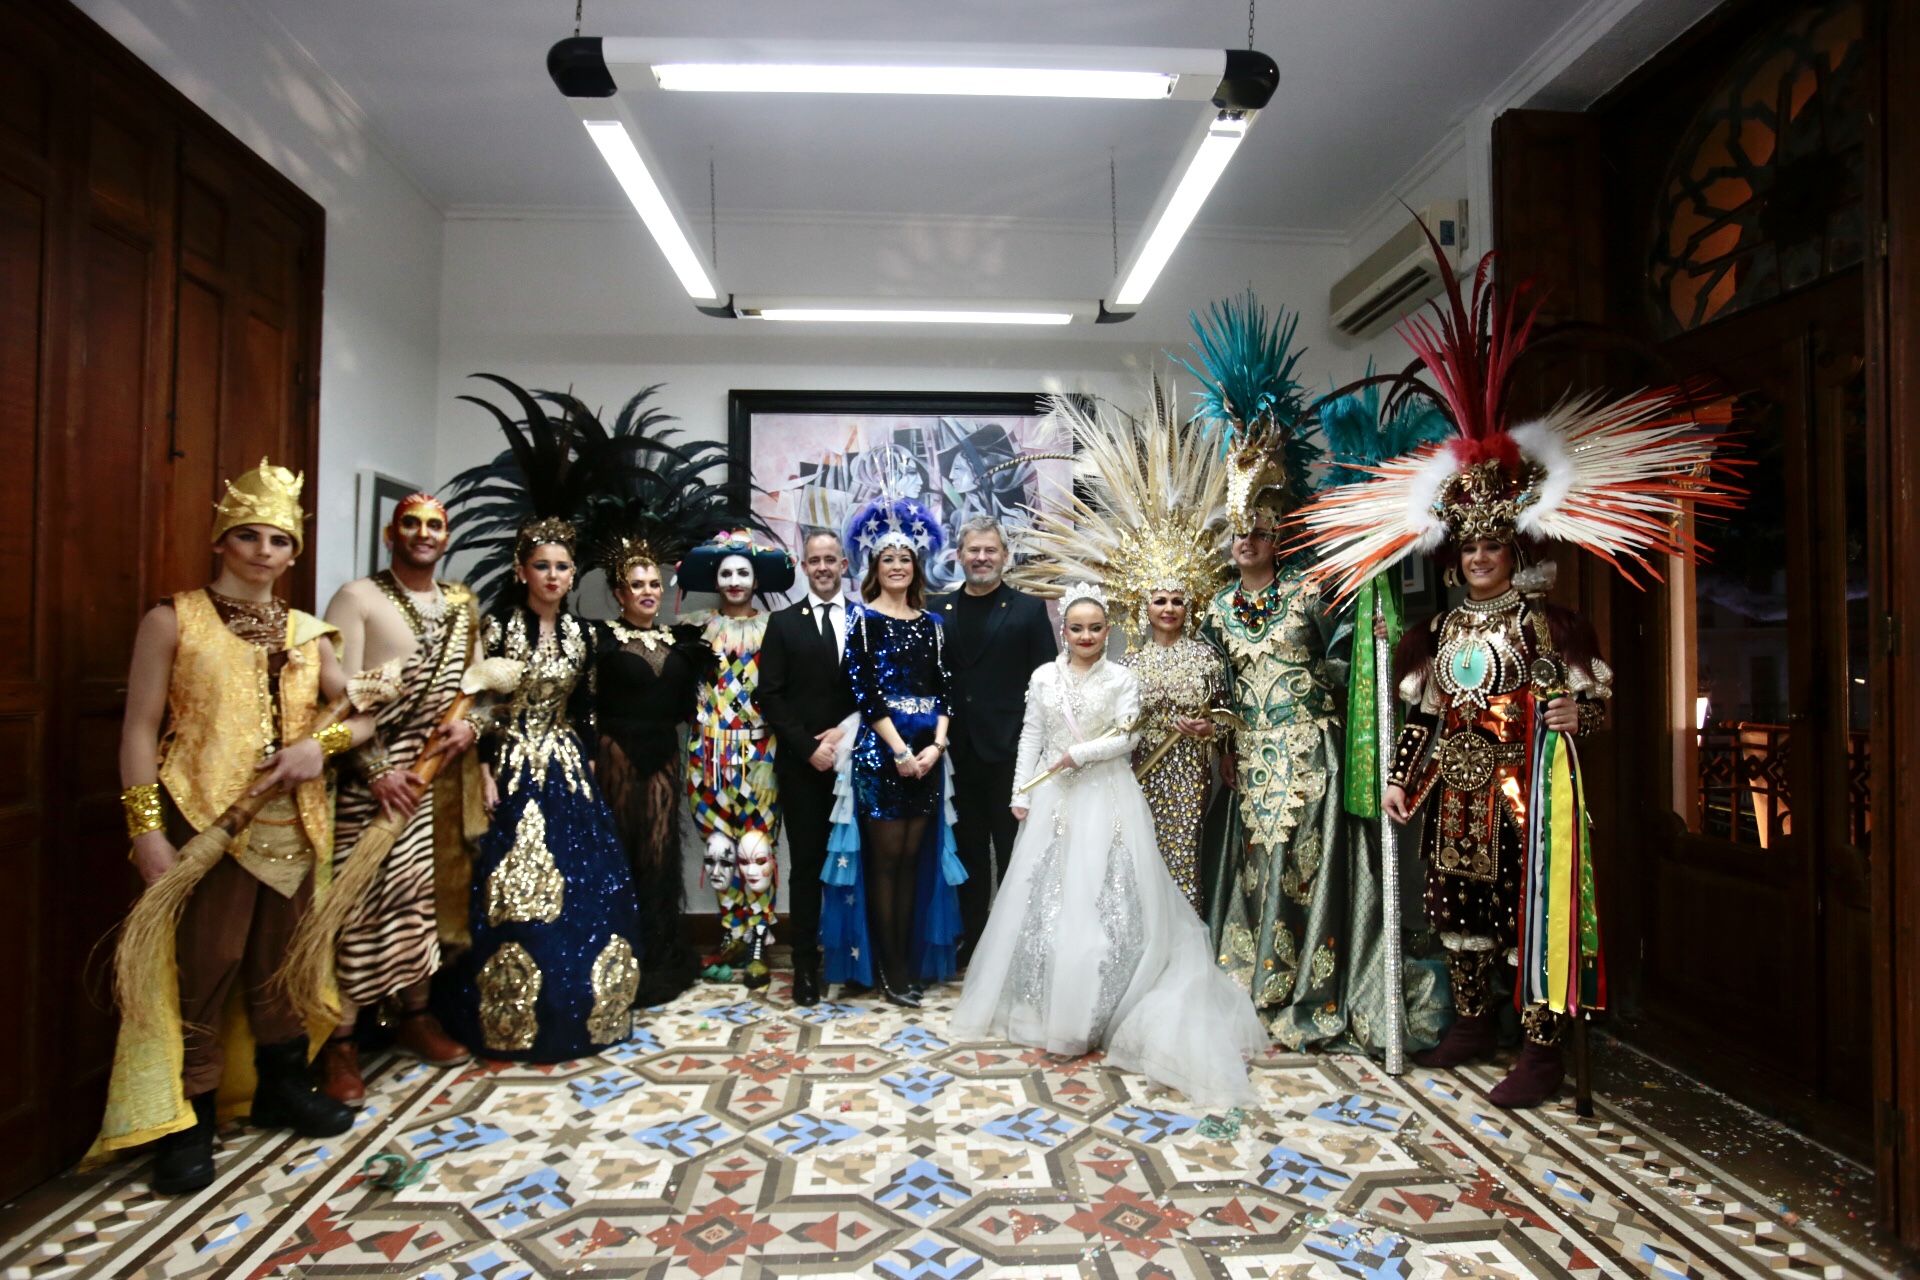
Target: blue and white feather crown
893	522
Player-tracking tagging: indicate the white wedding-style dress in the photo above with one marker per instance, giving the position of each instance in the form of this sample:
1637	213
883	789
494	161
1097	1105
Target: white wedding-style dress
1090	943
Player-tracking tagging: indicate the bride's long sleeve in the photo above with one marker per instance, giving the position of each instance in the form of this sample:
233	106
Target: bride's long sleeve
1026	761
1126	713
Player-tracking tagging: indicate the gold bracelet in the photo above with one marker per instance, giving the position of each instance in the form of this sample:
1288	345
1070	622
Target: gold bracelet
142	804
334	739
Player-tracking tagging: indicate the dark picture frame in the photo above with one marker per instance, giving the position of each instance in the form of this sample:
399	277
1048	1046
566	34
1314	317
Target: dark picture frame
971	459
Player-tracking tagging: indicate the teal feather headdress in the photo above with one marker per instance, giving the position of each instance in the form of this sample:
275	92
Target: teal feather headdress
1357	439
1250	396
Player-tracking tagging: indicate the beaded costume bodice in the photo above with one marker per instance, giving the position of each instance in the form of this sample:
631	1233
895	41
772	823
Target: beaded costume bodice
533	723
1179	679
1484	650
1274	641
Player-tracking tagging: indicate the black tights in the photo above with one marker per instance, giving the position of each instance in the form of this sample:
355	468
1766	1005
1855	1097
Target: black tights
892	851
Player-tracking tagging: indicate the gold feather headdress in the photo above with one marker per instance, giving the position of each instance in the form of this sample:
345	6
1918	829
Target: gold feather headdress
1147	513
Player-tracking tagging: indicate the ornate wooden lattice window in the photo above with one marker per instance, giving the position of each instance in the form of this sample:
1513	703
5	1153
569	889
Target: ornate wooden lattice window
1765	192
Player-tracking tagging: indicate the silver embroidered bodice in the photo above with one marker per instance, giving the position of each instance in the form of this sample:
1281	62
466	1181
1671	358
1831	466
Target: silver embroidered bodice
1104	704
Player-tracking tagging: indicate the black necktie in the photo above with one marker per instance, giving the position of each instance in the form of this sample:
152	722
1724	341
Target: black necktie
826	624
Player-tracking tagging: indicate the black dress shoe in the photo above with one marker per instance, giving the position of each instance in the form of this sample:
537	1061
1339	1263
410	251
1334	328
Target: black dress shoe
806	985
285	1098
183	1161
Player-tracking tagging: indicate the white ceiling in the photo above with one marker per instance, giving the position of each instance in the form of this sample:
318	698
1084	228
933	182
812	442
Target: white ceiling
458	90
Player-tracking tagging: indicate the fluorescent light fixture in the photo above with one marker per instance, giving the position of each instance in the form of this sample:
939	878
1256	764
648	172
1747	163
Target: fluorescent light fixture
915	312
1006	82
1177	208
618	149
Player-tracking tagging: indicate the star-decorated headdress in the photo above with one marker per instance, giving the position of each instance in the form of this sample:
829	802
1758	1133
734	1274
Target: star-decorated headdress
892	522
772	566
266	495
1611	474
1250	399
1145	513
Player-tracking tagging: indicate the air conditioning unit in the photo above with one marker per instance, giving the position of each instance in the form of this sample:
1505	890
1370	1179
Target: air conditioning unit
1400	274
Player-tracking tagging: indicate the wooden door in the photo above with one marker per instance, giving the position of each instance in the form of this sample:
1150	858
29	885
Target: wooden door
1756	916
159	307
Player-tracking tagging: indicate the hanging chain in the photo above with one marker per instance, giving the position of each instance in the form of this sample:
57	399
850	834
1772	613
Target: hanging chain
1113	207
1250	4
577	6
713	213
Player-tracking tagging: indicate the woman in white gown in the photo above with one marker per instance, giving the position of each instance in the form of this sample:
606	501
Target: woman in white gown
1090	944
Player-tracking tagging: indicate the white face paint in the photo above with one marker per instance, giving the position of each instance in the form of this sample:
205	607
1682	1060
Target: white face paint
756	867
735	578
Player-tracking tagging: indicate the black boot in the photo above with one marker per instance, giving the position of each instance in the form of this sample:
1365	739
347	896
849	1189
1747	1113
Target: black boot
183	1161
285	1097
757	975
892	993
806	978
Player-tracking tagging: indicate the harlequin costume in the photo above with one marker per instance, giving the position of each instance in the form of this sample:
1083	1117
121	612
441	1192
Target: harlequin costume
1504	825
245	680
731	784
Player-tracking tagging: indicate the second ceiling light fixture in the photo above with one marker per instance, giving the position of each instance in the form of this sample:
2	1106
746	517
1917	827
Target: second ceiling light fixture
592	71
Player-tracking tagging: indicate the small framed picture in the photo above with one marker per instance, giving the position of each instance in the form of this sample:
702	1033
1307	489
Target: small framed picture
375	498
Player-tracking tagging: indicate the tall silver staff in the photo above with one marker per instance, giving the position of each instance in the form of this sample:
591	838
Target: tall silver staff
1389	847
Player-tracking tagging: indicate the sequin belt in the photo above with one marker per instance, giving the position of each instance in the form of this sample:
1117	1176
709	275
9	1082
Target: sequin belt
915	706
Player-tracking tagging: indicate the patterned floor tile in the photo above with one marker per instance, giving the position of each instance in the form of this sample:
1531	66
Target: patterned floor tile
737	1137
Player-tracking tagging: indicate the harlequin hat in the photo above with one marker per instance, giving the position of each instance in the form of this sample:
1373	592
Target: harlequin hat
700	570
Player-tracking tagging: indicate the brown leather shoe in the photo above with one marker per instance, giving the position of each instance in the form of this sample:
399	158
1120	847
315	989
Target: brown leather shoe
421	1036
338	1068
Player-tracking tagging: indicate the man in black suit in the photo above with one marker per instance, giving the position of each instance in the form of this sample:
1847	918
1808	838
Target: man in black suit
995	637
804	696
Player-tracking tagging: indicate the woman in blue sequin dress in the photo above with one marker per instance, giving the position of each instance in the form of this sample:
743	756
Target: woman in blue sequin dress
555	961
892	843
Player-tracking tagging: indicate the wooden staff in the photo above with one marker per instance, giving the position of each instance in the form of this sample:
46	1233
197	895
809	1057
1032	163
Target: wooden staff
143	955
307	973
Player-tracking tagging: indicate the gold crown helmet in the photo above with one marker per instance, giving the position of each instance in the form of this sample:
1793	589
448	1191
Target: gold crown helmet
266	495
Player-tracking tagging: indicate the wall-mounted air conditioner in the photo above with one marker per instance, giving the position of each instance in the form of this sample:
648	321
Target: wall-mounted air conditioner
1400	274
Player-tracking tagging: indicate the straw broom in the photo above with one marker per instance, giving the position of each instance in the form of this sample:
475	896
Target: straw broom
143	956
307	974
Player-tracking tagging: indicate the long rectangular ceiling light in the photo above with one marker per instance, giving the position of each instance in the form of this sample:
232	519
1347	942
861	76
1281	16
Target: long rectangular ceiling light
1234	83
910	311
620	149
1178	205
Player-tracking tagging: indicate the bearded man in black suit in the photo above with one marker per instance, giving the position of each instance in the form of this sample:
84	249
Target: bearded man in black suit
995	638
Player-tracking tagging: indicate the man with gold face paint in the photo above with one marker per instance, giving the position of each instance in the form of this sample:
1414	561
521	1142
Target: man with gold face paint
391	947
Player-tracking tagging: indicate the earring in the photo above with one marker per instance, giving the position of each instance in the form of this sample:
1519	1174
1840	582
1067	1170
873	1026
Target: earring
1450	576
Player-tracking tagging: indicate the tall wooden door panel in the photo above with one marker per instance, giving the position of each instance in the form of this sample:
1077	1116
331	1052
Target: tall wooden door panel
159	303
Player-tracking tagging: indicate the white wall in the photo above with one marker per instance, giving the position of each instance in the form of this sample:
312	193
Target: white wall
587	303
379	344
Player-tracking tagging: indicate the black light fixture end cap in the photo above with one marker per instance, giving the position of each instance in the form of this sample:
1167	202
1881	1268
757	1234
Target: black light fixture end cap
718	310
1112	317
1249	81
579	68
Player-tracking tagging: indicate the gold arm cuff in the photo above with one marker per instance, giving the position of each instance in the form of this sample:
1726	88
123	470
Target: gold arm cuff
142	805
334	739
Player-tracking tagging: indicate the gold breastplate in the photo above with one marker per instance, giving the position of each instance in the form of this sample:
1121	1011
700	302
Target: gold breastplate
1483	650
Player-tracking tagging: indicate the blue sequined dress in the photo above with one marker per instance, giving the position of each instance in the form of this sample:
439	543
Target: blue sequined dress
897	671
555	960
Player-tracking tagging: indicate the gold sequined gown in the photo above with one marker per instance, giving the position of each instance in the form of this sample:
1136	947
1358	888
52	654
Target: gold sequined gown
555	961
1180	679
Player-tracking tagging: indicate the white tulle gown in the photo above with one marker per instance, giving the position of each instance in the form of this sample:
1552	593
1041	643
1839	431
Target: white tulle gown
1090	944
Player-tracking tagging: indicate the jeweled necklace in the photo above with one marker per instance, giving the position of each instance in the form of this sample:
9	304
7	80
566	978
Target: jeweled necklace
1255	612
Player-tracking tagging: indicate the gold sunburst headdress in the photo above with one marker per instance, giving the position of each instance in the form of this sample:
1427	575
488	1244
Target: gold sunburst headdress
1146	514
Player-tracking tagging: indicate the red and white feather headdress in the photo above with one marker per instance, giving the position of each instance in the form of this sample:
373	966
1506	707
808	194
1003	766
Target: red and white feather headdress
1612	474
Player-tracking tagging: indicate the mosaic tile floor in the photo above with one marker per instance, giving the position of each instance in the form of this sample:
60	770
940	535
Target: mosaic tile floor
746	1138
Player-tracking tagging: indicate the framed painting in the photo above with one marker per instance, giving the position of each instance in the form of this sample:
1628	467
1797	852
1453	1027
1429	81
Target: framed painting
806	461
